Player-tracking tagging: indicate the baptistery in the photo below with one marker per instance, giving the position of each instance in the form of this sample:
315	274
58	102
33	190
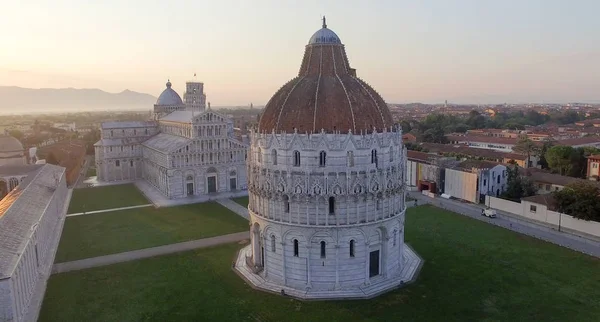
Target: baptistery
326	186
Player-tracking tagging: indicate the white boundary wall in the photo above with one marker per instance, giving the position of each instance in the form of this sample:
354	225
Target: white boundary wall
540	213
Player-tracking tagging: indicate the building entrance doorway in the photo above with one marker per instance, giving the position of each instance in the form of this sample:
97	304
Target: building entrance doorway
232	184
212	184
190	188
374	263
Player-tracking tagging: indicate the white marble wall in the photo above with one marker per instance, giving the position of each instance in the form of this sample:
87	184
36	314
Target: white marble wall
364	177
337	270
36	260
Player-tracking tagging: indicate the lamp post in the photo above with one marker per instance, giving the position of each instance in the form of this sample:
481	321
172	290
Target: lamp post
559	220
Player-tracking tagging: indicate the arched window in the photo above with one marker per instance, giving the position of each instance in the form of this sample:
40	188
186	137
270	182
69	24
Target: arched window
259	157
331	205
296	248
274	156
374	156
296	158
273	246
350	158
395	237
498	180
323	249
286	204
322	158
391	153
352	248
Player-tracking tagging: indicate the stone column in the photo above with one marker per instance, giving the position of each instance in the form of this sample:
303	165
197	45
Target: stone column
337	274
283	249
256	246
367	259
308	247
265	242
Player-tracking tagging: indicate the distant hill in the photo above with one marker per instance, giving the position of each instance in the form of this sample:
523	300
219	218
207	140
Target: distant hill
28	100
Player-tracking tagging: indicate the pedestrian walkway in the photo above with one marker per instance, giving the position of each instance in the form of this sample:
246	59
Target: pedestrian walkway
576	243
107	210
148	252
235	207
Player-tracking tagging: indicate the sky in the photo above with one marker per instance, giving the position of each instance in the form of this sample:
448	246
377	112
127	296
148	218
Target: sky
463	51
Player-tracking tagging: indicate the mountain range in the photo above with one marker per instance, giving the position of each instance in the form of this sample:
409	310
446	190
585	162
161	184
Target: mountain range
50	100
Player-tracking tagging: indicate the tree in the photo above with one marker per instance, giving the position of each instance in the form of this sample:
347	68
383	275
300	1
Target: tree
16	134
526	147
476	120
579	199
434	135
51	158
560	158
543	162
517	187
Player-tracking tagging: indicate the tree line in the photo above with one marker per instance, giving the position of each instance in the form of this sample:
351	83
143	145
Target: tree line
435	126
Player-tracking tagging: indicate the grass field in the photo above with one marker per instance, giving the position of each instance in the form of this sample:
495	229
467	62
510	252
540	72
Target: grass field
114	232
472	272
91	172
241	200
107	197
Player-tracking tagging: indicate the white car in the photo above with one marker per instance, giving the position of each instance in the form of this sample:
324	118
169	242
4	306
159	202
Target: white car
491	213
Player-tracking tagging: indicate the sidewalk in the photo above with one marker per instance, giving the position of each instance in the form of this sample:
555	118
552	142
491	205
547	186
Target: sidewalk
235	207
107	210
148	252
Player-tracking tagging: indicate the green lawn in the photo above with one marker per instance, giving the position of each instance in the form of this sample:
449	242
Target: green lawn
473	272
107	197
241	200
91	172
114	232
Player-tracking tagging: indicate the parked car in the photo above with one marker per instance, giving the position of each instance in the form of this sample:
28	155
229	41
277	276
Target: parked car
488	212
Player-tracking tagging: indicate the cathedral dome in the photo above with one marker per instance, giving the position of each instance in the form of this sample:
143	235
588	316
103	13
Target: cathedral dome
10	144
326	94
324	36
169	97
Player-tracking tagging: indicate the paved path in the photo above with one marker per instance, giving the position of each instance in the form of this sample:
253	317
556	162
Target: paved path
234	206
108	210
148	252
573	242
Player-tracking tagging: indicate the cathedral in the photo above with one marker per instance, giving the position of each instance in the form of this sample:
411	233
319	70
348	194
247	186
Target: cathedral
326	186
186	149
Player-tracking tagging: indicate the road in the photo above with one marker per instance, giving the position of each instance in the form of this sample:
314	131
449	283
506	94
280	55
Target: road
573	242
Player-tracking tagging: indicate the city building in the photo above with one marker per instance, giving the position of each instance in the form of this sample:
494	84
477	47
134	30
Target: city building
185	150
593	167
326	187
31	221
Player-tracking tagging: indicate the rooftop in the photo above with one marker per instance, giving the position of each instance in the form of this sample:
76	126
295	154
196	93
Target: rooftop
127	124
326	95
165	142
21	210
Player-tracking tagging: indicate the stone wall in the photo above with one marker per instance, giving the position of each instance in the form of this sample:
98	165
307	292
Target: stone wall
540	214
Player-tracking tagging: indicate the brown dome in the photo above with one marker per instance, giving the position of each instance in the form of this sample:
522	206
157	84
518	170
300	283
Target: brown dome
326	95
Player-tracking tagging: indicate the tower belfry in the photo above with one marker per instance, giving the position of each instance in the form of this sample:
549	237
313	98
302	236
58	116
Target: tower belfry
194	97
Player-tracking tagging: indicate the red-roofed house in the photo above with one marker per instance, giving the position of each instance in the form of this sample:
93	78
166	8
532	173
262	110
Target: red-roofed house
593	167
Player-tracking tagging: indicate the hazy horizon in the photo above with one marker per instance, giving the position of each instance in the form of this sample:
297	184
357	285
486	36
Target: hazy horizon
466	52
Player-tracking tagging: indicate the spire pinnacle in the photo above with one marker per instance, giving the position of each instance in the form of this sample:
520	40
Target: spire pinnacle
324	22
